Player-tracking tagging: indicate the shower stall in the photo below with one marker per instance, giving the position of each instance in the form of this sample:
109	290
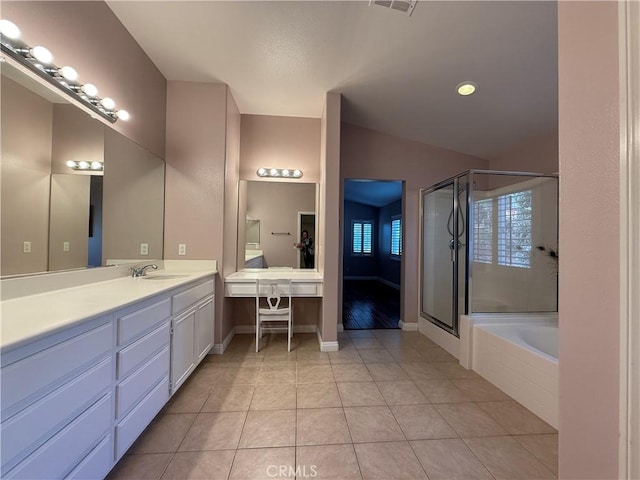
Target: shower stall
489	245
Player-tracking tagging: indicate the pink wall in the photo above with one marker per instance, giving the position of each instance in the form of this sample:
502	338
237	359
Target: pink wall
589	239
280	142
89	37
538	154
369	154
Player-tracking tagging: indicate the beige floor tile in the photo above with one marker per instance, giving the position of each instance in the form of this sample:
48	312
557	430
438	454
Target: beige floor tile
421	370
506	459
164	434
351	372
360	334
376	355
544	447
214	431
264	464
240	375
206	375
454	370
274	397
323	462
360	394
386	372
515	419
372	424
388	461
312	357
190	398
345	356
278	356
321	426
421	422
318	395
441	391
149	466
277	373
436	354
314	374
401	393
479	390
230	398
468	420
269	428
200	465
362	343
405	354
449	459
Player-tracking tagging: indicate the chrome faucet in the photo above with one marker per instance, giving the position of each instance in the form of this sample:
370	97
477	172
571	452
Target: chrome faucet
142	271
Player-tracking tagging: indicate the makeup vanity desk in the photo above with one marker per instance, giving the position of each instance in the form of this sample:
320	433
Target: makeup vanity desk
305	283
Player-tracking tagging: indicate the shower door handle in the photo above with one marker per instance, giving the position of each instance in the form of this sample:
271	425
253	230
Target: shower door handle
452	246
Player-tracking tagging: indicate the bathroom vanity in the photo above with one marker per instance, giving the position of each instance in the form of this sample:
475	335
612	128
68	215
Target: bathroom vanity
85	369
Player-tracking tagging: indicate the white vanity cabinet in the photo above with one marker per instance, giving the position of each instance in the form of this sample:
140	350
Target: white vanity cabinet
191	330
57	403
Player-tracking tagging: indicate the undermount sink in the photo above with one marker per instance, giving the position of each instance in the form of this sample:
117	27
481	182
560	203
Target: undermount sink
165	276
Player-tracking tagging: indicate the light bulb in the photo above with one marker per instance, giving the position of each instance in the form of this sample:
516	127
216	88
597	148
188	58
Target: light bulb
123	115
262	172
466	88
69	73
89	89
96	166
42	54
285	173
108	103
83	164
297	173
71	164
9	29
273	172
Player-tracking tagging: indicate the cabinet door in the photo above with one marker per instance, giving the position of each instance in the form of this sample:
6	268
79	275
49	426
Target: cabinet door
182	348
204	329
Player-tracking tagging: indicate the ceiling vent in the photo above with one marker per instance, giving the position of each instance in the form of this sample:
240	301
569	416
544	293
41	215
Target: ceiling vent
405	6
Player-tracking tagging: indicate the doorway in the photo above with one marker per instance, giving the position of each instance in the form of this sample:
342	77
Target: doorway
372	254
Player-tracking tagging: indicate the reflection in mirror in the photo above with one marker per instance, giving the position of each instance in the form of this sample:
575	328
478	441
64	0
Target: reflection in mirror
54	217
273	215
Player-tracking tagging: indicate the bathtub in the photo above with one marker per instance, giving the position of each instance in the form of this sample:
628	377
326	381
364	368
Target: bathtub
518	354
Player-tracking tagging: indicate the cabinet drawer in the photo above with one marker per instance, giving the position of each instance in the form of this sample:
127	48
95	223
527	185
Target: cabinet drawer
141	381
49	366
134	423
304	289
134	355
96	465
42	419
57	457
189	297
133	324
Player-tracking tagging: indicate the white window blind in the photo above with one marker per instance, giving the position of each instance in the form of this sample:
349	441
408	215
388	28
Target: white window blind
514	229
396	236
483	231
362	237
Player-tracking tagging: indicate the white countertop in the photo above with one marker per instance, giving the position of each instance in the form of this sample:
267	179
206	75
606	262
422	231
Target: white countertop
251	274
31	317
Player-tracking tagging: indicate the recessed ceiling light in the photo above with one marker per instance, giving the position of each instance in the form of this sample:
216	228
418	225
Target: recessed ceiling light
466	88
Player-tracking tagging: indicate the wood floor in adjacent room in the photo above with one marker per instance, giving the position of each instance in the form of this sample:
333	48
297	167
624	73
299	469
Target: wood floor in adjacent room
369	304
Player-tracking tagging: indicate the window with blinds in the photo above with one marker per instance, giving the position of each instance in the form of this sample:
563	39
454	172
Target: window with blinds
514	229
362	237
396	236
483	231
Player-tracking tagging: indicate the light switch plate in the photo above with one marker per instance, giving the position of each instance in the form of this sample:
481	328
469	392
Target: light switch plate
182	249
65	246
26	247
144	249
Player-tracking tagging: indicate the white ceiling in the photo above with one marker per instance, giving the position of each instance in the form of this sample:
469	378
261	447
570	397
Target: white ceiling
397	73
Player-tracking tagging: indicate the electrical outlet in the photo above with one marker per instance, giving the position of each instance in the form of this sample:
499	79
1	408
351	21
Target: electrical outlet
65	246
182	249
26	247
144	249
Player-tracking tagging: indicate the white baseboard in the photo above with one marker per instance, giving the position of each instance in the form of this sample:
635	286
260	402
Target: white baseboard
304	328
219	348
340	327
439	336
388	283
327	346
408	327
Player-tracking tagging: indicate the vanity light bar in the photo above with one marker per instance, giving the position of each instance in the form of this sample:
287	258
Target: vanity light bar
40	61
82	165
279	172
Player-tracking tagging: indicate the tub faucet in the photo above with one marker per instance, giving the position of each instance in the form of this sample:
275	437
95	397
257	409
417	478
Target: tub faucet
142	271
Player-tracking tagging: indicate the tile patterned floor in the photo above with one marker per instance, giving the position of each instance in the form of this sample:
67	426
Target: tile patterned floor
389	405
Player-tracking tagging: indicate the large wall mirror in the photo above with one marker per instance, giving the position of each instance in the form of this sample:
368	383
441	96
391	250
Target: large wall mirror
57	218
272	216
